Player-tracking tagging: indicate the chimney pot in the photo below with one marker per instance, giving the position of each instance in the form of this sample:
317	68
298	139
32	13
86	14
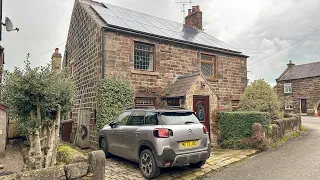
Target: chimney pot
56	61
197	8
189	11
193	8
290	64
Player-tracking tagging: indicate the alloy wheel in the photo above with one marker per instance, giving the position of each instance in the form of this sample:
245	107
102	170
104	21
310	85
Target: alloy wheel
146	164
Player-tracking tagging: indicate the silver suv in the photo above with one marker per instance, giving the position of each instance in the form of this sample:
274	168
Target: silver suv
157	139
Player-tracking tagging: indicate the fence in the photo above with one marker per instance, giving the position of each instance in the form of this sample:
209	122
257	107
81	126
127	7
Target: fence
13	129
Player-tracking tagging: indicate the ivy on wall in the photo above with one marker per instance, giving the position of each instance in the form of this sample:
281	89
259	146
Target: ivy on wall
114	94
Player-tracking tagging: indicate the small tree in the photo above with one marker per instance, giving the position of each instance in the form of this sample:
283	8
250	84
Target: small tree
114	95
259	96
38	98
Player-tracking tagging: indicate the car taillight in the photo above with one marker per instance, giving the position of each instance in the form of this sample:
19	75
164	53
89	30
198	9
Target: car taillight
205	130
161	133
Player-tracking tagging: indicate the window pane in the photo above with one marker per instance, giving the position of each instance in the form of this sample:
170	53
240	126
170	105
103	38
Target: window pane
123	118
207	69
137	118
173	118
144	102
143	61
151	118
206	57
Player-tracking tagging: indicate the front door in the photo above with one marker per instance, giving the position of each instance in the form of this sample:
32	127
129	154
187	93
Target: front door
201	109
303	106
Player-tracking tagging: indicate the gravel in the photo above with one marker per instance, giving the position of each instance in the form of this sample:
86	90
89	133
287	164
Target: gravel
13	160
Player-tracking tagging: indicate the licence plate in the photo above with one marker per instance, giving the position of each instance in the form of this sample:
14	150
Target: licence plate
186	144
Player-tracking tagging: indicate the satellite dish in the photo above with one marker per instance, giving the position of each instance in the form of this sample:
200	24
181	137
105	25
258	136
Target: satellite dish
8	24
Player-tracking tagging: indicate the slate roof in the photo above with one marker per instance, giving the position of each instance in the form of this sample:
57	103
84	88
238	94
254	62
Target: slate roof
182	85
301	71
124	19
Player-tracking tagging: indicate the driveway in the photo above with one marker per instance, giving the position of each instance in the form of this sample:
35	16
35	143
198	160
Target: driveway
299	158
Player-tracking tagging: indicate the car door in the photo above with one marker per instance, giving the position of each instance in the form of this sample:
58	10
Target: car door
132	133
116	136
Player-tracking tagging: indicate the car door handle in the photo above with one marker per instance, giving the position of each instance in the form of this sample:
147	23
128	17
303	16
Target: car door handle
137	132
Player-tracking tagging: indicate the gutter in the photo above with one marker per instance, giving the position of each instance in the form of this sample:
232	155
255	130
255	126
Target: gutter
117	29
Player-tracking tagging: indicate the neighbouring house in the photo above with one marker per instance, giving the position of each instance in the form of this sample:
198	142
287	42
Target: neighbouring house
165	61
299	87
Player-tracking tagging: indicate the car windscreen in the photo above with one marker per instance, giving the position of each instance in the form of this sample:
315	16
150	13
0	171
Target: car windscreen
177	118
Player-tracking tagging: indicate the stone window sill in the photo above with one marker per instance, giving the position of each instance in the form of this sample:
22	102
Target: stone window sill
149	73
211	79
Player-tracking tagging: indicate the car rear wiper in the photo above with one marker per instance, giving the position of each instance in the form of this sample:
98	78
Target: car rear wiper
188	122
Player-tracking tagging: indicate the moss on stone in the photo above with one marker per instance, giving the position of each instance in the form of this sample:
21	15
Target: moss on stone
67	155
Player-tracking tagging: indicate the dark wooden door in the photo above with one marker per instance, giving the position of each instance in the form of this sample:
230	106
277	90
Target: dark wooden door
303	105
201	109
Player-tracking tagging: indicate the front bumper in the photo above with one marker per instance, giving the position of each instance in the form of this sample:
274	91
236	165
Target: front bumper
169	155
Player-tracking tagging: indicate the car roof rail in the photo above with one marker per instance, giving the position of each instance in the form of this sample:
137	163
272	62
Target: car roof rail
142	107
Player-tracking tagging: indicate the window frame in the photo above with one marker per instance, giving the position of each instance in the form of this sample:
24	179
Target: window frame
285	87
286	105
151	52
145	98
213	62
235	107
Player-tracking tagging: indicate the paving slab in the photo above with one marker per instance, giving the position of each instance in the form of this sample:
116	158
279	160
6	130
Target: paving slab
117	168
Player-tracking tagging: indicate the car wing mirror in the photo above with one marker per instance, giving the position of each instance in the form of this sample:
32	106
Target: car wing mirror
113	124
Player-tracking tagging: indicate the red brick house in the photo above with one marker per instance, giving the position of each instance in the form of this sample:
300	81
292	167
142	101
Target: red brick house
299	87
153	53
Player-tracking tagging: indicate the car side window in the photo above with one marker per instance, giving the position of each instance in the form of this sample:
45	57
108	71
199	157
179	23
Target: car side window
151	118
137	118
123	118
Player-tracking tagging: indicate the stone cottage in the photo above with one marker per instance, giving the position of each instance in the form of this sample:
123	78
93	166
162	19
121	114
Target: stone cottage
298	87
204	74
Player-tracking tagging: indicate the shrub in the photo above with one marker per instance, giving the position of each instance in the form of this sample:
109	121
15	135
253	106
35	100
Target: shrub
114	95
236	126
259	96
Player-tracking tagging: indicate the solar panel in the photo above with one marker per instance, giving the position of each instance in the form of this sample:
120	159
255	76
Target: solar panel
126	18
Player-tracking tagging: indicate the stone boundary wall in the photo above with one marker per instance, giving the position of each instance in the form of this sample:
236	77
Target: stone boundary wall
93	169
281	128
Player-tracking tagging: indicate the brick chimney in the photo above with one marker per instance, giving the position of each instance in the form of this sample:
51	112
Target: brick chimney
56	61
290	64
194	17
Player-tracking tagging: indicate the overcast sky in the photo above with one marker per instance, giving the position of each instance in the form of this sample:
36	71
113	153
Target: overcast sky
258	28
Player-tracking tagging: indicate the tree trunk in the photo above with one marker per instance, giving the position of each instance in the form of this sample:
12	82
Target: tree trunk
56	139
32	157
51	137
37	149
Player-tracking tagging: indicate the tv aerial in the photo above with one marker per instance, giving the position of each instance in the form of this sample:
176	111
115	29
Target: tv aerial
9	26
184	3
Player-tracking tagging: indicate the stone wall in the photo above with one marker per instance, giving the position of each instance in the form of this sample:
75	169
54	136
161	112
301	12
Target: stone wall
283	128
172	60
83	60
307	88
3	132
94	169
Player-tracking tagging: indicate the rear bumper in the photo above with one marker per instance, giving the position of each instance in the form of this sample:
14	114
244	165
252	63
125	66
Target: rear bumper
168	155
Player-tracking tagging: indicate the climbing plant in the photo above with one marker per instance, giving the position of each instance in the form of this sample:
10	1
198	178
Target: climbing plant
38	97
114	94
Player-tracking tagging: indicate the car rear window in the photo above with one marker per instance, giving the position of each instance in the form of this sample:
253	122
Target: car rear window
178	118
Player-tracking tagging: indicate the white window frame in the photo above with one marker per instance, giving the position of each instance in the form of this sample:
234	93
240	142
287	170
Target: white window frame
288	105
287	88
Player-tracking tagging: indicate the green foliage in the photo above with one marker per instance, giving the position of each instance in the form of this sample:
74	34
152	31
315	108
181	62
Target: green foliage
114	95
260	96
235	126
67	155
303	128
26	89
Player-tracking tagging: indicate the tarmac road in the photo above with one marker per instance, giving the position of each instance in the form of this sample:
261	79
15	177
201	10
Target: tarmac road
298	158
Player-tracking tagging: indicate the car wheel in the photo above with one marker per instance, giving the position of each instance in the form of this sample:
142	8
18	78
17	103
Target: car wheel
198	164
104	147
148	165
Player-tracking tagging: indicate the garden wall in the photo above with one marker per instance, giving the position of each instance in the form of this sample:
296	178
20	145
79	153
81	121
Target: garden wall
283	127
93	169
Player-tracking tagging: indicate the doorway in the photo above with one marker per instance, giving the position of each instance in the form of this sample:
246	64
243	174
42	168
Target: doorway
303	105
201	109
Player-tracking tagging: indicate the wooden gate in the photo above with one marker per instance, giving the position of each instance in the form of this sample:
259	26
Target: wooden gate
13	129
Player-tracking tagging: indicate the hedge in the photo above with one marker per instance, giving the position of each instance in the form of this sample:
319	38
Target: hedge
235	126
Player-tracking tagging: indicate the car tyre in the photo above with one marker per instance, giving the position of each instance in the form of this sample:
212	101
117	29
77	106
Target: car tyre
198	164
148	165
104	147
